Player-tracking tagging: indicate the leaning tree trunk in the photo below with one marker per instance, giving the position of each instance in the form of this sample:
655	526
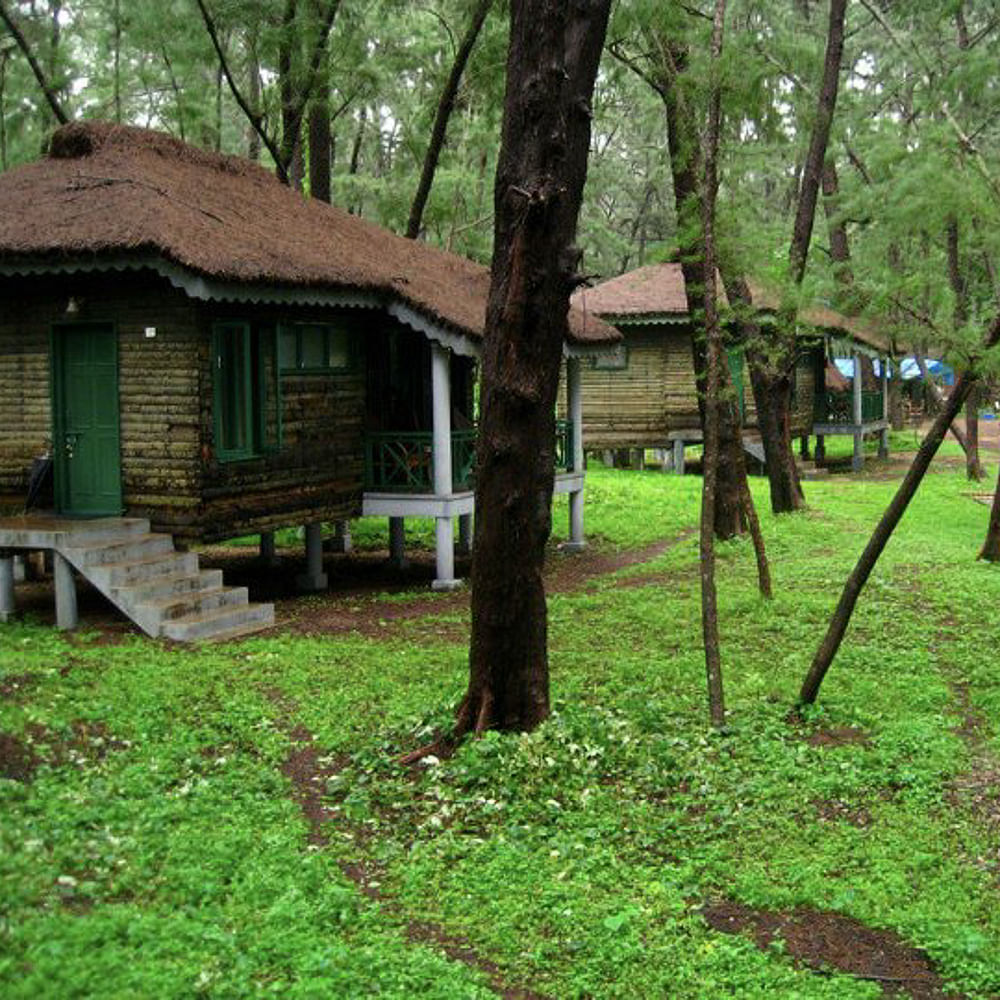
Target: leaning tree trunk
883	531
552	63
775	368
444	110
991	547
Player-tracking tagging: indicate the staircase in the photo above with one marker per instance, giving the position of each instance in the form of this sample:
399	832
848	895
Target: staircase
164	592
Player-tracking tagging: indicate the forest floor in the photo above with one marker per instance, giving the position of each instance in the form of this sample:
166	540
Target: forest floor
231	820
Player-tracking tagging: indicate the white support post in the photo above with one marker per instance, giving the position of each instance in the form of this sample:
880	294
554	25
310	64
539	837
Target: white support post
574	409
441	409
20	570
858	461
62	572
268	555
314	578
6	587
883	442
397	542
679	456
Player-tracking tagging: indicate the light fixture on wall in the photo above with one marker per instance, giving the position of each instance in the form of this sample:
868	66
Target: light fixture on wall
74	306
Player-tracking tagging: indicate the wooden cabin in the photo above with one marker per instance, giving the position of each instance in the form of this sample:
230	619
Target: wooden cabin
645	395
197	344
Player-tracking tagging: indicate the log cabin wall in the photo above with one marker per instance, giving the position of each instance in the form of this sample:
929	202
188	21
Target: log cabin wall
168	467
805	394
25	405
157	383
317	473
625	407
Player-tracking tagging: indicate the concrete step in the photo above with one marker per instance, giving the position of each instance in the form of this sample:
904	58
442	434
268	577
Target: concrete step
169	586
194	602
115	529
131	549
131	572
209	625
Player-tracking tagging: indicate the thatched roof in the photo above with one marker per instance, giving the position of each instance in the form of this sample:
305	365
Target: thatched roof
655	293
647	294
106	192
827	320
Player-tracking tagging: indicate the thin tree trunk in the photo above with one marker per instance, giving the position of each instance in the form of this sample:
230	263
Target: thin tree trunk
772	371
883	532
445	107
685	167
713	351
973	467
991	547
319	123
44	80
552	64
253	98
117	42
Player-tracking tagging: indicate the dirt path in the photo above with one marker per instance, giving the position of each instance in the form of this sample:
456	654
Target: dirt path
309	770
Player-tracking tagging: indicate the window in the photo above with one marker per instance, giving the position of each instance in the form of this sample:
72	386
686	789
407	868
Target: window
611	361
247	391
316	347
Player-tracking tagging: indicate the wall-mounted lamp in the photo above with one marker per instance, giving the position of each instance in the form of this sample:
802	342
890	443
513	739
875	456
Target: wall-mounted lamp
74	306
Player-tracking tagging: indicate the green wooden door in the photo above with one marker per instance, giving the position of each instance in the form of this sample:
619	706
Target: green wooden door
86	442
735	356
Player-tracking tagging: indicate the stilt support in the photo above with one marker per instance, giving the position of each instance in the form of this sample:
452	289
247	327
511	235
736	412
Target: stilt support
6	587
314	578
66	613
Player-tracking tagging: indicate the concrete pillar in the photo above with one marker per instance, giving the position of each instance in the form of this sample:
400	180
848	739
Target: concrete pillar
820	452
574	410
6	587
679	457
20	570
444	536
62	571
268	555
397	542
314	578
464	534
858	459
608	458
341	541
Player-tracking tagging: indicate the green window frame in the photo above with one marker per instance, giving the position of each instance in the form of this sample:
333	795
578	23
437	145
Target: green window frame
246	391
316	348
616	362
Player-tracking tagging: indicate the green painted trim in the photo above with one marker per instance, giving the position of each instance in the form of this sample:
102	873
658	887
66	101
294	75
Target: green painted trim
60	476
341	324
247	452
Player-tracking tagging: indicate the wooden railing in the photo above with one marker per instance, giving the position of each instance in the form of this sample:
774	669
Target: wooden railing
838	407
402	461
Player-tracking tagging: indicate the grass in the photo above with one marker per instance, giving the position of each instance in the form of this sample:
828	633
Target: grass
158	850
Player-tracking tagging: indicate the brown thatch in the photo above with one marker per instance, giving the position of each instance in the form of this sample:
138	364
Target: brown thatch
111	191
822	318
647	293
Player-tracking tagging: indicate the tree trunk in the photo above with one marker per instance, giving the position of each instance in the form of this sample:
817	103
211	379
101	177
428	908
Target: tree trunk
772	371
552	63
713	353
445	106
883	532
685	166
991	547
45	81
319	123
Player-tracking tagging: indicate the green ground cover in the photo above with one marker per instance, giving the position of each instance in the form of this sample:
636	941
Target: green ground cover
158	849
